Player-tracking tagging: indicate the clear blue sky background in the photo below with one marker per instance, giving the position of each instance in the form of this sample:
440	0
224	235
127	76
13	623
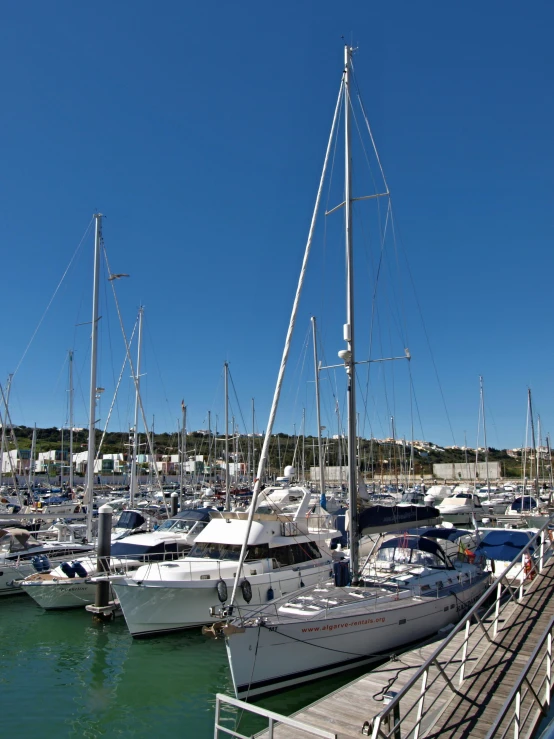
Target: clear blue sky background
199	130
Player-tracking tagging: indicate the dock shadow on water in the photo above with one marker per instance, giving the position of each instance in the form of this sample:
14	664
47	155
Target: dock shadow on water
62	675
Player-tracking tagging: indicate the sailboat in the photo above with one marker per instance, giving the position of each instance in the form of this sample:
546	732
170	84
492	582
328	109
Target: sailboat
412	589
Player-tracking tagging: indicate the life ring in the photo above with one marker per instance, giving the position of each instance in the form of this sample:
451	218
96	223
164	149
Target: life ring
221	588
246	590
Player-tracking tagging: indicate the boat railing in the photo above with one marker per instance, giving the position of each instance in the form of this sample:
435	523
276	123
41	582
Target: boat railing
272	718
524	705
443	672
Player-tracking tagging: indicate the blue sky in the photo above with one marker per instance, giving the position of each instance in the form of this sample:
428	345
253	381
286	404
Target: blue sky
199	130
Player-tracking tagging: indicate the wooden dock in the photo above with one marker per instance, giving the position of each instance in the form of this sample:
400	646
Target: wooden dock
471	709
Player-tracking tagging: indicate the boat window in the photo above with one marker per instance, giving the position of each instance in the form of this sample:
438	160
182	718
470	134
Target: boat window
261	551
213	550
410	556
182	524
294	554
130	520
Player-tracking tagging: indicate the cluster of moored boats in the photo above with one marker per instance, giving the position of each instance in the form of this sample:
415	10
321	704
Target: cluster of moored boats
273	578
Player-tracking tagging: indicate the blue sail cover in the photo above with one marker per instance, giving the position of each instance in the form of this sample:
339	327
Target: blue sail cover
525	503
383	517
413	542
504	544
434	533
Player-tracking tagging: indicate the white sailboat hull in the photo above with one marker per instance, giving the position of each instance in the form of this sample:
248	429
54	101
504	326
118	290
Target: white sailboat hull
73	593
265	660
160	606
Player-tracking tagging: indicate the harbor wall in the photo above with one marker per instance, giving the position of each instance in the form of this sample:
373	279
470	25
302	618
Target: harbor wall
469	471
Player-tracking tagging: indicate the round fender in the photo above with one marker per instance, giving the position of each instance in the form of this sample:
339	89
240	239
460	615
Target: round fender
221	588
246	590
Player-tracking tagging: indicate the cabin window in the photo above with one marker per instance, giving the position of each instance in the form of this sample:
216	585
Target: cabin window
213	550
295	554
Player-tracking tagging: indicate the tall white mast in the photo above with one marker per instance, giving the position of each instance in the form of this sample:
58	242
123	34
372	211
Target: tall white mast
32	464
534	445
234	450
253	442
134	476
227	490
318	412
89	492
210	445
71	420
482	393
348	355
4	421
183	452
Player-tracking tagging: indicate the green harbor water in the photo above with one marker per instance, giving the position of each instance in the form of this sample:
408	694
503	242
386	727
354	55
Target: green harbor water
62	675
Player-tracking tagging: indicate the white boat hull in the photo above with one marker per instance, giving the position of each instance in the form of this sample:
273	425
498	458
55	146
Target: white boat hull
265	660
160	606
9	573
463	516
76	592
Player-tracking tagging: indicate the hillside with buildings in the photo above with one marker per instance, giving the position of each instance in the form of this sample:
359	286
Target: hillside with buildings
205	455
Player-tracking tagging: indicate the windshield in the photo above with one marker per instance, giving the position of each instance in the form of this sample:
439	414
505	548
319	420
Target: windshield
403	556
130	520
182	525
158	551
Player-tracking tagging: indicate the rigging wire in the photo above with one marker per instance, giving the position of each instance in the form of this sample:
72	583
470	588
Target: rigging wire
52	298
155	355
424	326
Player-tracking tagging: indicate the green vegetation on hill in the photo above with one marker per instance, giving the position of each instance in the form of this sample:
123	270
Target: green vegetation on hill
284	450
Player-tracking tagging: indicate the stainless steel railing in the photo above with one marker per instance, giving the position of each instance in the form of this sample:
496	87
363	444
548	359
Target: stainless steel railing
524	704
441	676
272	717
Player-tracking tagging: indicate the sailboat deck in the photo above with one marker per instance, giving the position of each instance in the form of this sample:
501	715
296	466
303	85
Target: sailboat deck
330	601
468	712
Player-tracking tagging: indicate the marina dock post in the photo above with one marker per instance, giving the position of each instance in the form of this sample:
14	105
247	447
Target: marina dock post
103	554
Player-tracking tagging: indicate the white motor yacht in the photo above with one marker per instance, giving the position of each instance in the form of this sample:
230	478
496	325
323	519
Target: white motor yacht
283	555
462	507
69	585
436	494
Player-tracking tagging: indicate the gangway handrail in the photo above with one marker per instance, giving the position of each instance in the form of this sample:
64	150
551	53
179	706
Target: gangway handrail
496	588
270	715
516	692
